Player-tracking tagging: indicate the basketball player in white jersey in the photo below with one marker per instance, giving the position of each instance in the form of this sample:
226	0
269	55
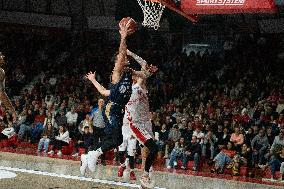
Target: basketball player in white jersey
137	123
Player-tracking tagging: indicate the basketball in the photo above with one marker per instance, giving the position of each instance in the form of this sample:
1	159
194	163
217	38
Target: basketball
132	25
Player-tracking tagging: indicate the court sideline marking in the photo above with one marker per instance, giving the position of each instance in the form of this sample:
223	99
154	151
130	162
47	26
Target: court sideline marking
73	177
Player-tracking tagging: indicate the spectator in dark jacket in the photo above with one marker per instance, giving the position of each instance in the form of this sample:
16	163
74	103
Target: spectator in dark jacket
86	141
163	137
192	152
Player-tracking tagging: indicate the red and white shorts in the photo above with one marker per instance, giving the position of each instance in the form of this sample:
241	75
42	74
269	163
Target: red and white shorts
141	131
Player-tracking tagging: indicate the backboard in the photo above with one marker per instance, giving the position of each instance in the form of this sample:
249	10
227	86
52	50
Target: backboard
171	4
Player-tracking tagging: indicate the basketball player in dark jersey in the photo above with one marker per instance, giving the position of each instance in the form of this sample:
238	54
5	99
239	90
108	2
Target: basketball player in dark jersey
113	111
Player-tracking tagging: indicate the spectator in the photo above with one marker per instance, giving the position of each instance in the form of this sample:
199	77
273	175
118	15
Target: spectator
278	141
237	139
49	119
72	117
86	122
199	135
162	138
98	125
276	164
192	152
86	141
174	136
259	146
47	136
61	140
98	121
25	127
270	136
60	119
225	157
176	153
208	149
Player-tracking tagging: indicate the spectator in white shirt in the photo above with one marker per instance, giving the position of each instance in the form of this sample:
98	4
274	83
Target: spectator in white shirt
72	118
61	140
199	135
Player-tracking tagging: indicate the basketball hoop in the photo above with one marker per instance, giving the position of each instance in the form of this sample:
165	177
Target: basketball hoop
153	11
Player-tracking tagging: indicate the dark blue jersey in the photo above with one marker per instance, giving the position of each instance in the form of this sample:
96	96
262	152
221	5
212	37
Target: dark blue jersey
120	93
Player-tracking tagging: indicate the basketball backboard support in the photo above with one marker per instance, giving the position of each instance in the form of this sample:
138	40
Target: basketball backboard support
170	4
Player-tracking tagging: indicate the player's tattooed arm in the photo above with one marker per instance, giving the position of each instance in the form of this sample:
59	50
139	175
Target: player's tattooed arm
137	58
121	59
92	77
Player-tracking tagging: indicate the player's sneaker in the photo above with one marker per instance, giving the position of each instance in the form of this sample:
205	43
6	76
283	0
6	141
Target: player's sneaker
132	175
146	182
120	171
92	160
84	164
51	152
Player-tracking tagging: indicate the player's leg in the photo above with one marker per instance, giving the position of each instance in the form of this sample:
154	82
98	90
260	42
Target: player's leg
112	140
121	154
131	151
84	164
146	140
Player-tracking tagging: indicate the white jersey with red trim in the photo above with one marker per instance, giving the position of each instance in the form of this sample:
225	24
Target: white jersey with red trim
138	108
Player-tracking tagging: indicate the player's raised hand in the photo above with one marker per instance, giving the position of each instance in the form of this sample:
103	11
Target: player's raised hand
91	76
124	29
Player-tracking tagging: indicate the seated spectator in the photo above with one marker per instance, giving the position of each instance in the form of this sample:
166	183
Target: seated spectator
270	136
7	132
60	119
174	136
86	141
176	153
249	136
223	140
277	164
208	149
278	142
259	147
47	136
246	156
223	158
187	133
241	159
162	138
72	117
49	119
192	152
86	122
61	140
237	139
25	127
38	126
199	135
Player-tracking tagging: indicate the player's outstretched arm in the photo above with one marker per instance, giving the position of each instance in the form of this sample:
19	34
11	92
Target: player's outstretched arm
92	77
138	59
121	59
4	97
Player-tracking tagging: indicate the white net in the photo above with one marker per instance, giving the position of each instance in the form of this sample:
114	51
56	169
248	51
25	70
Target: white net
153	11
